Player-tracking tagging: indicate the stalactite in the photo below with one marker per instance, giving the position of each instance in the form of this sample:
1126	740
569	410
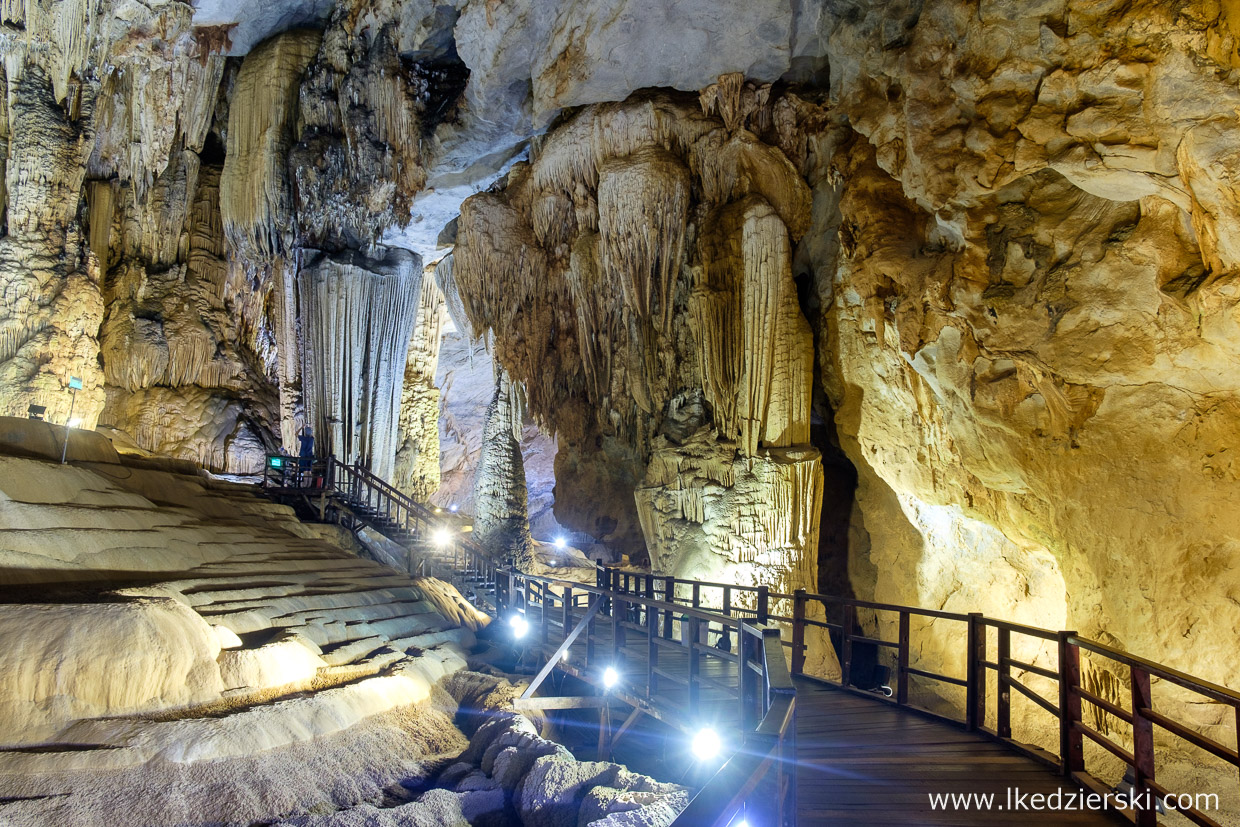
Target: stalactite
651	242
445	280
101	202
357	162
254	193
358	316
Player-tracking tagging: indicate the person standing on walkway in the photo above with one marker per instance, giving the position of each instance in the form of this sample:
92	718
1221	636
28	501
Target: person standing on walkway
306	453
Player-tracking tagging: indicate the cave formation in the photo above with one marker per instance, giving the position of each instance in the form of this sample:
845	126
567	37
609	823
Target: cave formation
927	302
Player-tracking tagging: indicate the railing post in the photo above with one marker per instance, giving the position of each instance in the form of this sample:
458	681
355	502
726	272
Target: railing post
1003	713
846	636
975	675
798	632
590	636
1142	748
697	595
669	596
652	652
602	578
619	608
567	619
902	660
694	663
727	601
747	681
544	615
764	605
1071	742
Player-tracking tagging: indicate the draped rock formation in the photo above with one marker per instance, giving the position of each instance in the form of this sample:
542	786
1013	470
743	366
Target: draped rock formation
637	277
359	315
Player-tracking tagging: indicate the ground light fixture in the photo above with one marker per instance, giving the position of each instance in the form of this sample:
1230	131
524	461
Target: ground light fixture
706	744
610	677
442	537
520	627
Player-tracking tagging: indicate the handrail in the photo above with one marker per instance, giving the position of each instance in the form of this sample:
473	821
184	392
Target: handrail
626	591
355	487
766	759
661	596
763	685
982	708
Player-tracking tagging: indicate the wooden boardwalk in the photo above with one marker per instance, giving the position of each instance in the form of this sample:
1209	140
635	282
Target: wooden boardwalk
860	760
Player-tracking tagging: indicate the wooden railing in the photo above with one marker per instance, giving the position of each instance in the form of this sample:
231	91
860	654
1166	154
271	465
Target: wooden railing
990	713
758	784
761	775
358	496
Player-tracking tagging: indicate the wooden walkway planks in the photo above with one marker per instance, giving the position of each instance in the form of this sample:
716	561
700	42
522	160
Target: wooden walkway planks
861	761
864	762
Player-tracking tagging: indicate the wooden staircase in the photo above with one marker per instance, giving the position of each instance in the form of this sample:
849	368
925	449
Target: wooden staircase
350	495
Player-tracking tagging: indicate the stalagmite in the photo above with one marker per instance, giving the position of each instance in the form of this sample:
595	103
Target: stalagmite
501	522
417	457
358	315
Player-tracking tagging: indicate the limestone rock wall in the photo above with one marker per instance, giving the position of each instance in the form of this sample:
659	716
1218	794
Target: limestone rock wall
181	367
161	202
1031	321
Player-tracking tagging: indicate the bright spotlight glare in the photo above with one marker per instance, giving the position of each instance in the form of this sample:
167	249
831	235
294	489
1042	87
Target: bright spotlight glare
706	744
75	422
442	537
741	823
452	508
561	543
519	626
610	677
